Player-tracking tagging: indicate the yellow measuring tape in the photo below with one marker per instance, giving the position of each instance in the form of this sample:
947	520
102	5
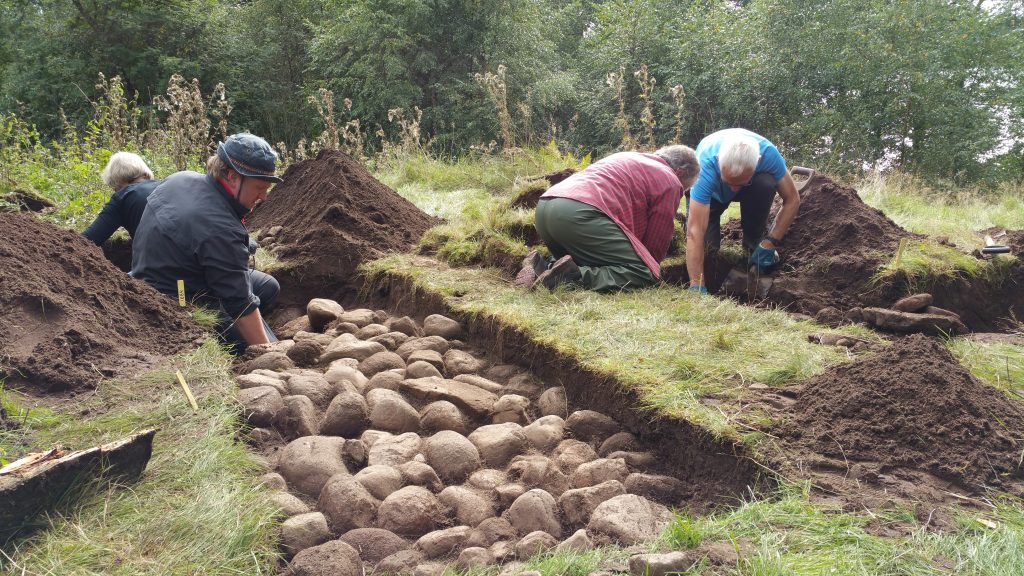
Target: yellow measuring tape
181	293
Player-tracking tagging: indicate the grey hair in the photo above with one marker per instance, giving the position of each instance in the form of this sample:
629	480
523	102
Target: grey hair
680	157
738	154
216	168
123	169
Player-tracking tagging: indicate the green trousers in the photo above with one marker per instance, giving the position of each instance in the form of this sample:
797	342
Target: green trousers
606	259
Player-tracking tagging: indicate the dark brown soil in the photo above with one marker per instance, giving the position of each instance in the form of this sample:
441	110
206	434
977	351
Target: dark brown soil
70	317
529	197
335	215
910	414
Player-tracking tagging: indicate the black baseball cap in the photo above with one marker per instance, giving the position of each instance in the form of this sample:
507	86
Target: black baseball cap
250	156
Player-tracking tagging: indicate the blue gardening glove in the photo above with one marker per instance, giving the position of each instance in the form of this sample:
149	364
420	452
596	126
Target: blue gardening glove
699	289
765	259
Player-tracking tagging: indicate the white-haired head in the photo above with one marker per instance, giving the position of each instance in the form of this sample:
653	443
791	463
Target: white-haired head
738	156
125	168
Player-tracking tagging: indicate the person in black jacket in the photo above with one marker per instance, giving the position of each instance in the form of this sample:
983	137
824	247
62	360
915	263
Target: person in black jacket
193	232
133	182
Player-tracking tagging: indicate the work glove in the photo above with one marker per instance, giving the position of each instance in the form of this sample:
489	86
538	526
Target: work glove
253	246
699	289
765	259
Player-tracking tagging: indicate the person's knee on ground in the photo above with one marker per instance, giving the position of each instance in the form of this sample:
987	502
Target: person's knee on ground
267	289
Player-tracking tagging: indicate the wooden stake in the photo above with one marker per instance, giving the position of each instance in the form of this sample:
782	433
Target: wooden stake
899	252
188	392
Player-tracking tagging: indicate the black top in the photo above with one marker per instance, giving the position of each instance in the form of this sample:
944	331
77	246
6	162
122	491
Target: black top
124	208
192	231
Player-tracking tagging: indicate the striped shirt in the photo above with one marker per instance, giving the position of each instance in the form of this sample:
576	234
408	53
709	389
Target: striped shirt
638	191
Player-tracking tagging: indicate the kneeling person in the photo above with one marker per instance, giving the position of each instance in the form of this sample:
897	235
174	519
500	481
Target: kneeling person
611	224
193	230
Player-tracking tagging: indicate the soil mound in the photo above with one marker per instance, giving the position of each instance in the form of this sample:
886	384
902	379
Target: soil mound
70	317
834	247
910	407
335	215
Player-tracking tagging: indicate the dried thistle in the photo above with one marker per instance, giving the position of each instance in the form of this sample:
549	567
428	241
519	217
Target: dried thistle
678	96
647	83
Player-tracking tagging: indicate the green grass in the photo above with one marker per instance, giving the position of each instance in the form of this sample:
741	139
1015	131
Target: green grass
676	349
198	508
998	364
954	213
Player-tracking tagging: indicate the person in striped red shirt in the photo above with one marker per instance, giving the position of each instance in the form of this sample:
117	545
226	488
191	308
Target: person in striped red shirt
610	225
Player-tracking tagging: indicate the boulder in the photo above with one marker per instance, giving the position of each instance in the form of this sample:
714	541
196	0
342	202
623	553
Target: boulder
629	519
591	427
293	327
411	511
348	346
390	340
502	372
451	455
360	317
443	542
481	382
469	398
300	417
598	471
273	481
909	322
534	543
619	442
347	416
443	326
489	531
380	362
370	437
340	374
313	386
545	433
537	471
471	558
442	415
394	450
354	453
913	303
511	408
380	480
432	357
334	558
499	443
506	494
288	504
569	454
308	462
304	531
435	343
371	330
524	384
405	325
459	362
401	562
261	405
276	361
374	544
347	504
389	411
636	460
535	510
661	564
321	312
257	380
663	489
468	507
579	542
420	474
578	504
387	380
305	353
552	402
487	479
421	369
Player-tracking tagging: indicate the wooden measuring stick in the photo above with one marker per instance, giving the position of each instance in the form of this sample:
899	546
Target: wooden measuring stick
188	392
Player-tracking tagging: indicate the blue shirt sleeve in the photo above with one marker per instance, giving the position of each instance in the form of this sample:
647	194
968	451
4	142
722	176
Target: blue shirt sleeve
707	181
772	162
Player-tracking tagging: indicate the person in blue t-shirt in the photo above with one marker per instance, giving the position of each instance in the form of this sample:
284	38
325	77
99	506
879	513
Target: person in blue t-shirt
132	182
737	165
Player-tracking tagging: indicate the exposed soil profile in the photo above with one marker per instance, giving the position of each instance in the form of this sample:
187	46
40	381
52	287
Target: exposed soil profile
335	215
70	317
910	413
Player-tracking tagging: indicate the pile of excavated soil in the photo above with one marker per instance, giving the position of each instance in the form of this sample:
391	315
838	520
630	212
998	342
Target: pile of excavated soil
834	247
335	215
70	317
911	407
